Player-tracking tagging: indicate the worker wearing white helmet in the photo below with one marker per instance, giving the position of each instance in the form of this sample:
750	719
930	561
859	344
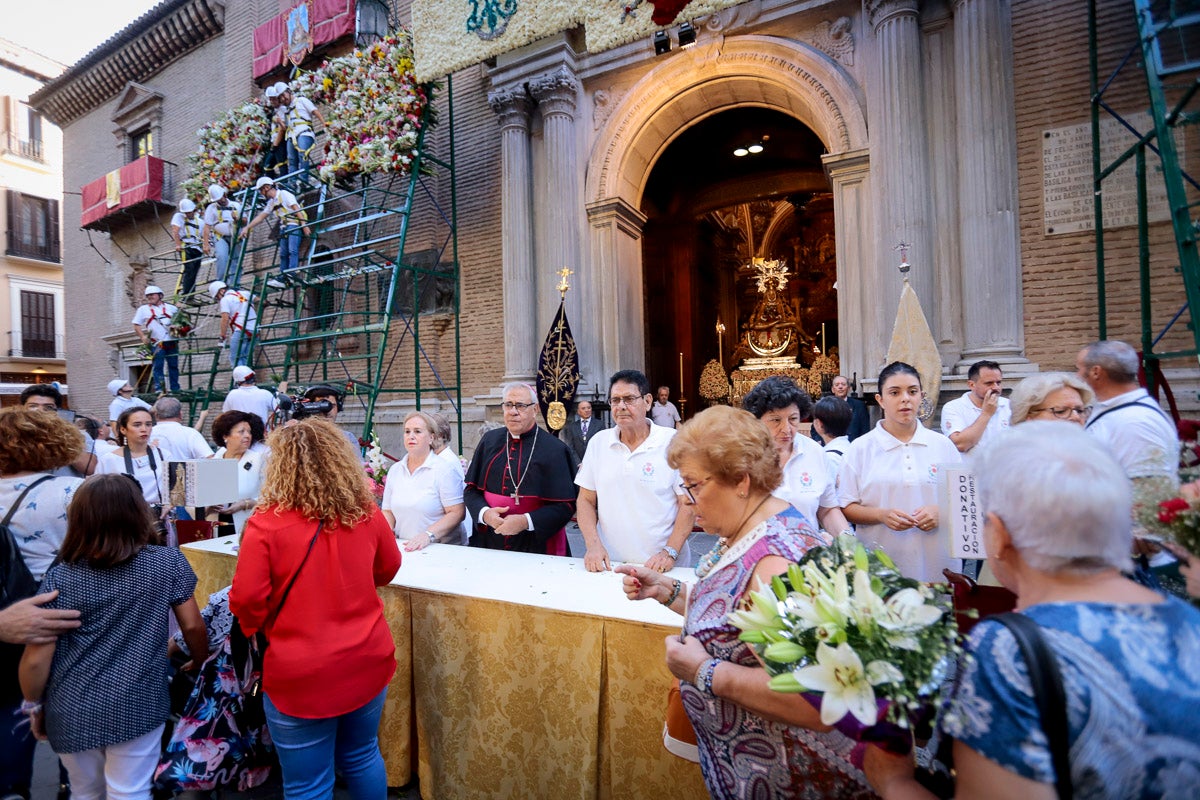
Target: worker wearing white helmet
298	112
216	233
185	230
123	399
238	321
274	149
152	324
283	206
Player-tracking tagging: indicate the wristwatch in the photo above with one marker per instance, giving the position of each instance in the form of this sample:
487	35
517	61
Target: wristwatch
671	551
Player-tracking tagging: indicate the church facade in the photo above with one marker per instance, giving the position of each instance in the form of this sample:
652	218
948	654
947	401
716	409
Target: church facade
944	133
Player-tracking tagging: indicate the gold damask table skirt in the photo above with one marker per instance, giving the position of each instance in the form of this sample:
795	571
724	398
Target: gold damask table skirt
516	698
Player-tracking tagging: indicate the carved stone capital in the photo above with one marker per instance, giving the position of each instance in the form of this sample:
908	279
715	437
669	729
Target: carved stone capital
880	11
556	92
836	39
512	106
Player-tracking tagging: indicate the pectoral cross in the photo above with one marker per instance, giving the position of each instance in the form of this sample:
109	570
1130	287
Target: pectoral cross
516	496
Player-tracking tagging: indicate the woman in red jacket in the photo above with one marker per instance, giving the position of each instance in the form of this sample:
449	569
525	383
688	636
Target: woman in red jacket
331	655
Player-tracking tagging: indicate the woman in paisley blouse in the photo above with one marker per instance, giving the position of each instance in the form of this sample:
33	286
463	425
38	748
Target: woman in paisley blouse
1057	533
753	742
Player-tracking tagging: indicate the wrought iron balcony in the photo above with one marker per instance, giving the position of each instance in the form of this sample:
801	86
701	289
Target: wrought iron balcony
49	251
113	200
25	345
26	148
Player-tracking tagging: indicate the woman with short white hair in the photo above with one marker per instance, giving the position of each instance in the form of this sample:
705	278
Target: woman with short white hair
1050	396
1057	533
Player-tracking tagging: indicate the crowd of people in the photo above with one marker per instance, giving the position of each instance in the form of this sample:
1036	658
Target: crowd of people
1059	534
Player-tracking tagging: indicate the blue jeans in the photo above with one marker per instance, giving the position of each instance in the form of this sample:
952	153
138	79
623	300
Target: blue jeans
308	749
221	251
168	353
289	249
298	151
16	750
239	348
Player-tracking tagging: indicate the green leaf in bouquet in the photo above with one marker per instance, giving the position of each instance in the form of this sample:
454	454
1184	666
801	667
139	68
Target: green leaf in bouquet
885	559
861	559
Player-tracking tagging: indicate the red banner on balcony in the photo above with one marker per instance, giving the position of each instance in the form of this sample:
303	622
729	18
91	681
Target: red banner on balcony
327	20
136	182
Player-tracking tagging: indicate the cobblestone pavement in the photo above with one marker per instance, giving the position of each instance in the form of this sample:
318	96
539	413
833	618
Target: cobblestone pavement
45	777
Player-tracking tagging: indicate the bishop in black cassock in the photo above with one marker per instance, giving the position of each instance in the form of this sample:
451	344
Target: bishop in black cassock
520	487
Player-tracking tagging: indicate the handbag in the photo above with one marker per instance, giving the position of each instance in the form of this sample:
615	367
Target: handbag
1050	698
974	601
679	737
16	581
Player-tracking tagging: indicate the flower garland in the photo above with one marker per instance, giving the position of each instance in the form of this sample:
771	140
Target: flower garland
228	151
375	105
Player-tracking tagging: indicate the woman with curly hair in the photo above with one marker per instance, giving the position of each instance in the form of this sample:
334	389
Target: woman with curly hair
310	559
32	445
239	436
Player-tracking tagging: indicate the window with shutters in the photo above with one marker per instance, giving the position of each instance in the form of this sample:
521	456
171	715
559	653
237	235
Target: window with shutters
37	325
22	130
32	227
141	144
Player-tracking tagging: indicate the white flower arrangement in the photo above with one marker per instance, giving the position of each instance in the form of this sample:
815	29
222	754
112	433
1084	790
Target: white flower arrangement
377	465
868	646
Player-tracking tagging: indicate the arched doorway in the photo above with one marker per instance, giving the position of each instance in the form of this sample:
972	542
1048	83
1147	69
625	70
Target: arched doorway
739	185
812	99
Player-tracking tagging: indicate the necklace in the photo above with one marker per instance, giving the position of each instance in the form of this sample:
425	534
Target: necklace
516	494
713	557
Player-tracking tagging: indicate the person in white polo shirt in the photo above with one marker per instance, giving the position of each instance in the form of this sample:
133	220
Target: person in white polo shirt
982	413
630	505
245	396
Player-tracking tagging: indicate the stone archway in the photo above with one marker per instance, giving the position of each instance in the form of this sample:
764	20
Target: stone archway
742	71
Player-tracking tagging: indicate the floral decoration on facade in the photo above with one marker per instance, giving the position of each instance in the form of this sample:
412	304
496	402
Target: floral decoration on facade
867	646
375	106
228	152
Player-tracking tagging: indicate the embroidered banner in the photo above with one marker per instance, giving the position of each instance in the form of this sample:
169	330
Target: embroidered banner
452	34
290	35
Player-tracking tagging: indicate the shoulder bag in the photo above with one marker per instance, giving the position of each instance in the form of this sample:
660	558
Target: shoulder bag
16	581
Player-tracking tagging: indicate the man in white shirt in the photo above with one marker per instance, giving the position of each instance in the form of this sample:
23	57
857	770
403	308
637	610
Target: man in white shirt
152	324
630	504
1125	417
185	230
216	234
291	218
245	396
177	441
238	321
664	412
298	112
123	400
982	412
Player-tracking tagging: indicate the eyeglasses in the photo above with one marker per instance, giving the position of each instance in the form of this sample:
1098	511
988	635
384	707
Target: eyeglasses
516	406
691	487
628	402
1066	412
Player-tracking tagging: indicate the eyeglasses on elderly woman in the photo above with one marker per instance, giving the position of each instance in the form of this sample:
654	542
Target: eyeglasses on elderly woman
1064	412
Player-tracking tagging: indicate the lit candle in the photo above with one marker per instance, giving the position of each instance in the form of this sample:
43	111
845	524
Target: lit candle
681	374
822	338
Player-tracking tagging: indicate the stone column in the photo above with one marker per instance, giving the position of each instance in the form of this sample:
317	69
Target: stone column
557	94
987	190
863	330
516	248
618	309
900	161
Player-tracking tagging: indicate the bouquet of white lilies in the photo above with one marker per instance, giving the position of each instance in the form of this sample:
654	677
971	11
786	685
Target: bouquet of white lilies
866	645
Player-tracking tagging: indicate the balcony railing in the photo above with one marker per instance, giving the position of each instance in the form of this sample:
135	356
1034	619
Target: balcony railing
45	252
137	187
21	345
26	148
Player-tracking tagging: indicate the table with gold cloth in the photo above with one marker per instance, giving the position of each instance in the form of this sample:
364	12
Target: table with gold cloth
520	676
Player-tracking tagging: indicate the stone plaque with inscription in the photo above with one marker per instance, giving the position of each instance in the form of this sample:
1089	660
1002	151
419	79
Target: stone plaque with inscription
1067	178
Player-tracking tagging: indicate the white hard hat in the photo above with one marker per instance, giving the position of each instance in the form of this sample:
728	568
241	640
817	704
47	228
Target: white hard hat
152	289
215	287
216	191
186	206
115	386
280	88
241	373
263	181
271	93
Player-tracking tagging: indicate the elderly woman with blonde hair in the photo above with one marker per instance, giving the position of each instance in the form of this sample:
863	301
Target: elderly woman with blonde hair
310	559
753	742
423	496
1051	395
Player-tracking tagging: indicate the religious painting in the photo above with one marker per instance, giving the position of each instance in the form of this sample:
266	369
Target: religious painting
299	34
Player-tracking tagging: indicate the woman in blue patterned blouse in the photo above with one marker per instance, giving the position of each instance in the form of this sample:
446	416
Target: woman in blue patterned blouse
1057	533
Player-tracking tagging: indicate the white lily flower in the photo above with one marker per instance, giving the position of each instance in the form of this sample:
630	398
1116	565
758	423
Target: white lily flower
906	610
762	615
866	607
840	677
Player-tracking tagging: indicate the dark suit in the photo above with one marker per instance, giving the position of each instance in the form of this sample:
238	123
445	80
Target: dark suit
860	419
573	437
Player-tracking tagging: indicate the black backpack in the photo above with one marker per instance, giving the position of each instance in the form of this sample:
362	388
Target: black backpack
16	581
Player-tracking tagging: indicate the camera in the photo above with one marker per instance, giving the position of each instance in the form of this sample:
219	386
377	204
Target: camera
302	409
318	401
